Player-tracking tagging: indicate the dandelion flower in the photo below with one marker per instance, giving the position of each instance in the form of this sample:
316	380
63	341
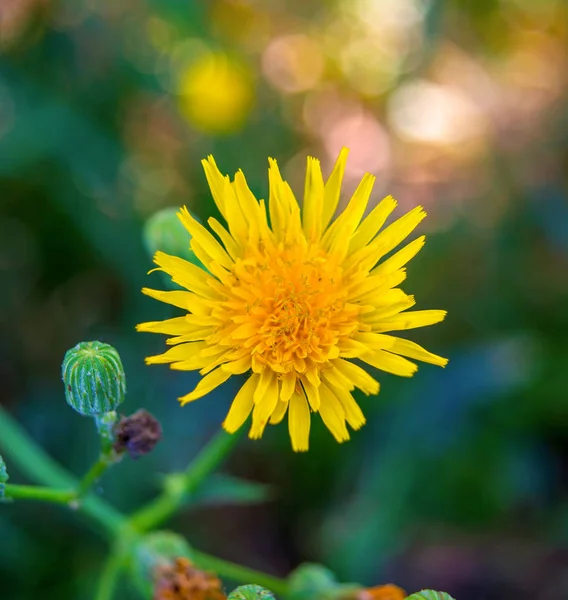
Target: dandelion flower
297	299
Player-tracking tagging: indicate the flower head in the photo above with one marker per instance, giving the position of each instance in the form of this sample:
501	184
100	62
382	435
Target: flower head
293	301
180	580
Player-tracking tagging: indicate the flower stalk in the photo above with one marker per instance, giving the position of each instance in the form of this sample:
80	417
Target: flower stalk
42	494
180	485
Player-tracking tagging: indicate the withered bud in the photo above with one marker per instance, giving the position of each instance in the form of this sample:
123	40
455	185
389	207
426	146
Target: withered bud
137	434
180	580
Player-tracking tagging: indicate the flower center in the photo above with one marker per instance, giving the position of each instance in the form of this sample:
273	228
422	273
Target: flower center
290	302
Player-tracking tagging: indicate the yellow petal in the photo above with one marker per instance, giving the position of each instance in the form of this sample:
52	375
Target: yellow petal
332	189
279	411
216	183
265	383
276	206
391	363
353	413
338	236
175	298
390	310
288	385
176	326
205	240
228	241
312	393
410	320
313	200
358	376
185	273
249	207
207	384
335	379
376	295
241	406
197	334
179	352
391	237
352	348
263	407
401	258
333	415
299	422
237	367
412	350
370	226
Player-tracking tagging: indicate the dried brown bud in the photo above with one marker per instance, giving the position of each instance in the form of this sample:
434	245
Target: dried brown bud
137	434
182	581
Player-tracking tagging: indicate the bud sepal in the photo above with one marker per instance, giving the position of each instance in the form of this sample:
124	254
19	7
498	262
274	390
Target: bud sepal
94	378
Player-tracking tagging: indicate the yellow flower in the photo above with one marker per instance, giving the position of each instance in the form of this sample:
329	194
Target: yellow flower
216	93
294	302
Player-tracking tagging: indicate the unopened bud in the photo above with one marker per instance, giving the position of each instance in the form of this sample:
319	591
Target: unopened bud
251	592
164	231
3	477
311	581
94	378
137	434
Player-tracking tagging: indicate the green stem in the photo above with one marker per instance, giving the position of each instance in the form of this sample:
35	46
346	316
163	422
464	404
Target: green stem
238	573
33	462
95	473
28	456
110	575
179	485
31	492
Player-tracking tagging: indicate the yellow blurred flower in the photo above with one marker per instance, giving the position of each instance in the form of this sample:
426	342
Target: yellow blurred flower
293	302
216	93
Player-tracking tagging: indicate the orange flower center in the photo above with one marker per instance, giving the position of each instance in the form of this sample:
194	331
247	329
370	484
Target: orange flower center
290	306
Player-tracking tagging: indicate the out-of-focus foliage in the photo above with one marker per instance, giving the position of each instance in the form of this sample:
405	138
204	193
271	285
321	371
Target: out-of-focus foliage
458	481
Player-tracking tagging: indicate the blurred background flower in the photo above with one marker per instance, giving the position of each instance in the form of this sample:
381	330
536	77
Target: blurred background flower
459	481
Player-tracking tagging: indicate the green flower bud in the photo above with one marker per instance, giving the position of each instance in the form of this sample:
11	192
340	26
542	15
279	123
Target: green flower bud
251	592
3	477
430	595
94	378
164	231
311	581
156	550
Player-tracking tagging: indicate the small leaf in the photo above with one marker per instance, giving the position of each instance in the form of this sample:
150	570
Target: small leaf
430	595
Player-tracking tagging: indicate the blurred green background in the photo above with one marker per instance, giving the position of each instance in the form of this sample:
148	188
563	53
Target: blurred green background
459	481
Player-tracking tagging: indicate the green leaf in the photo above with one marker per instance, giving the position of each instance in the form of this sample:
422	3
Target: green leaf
226	489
